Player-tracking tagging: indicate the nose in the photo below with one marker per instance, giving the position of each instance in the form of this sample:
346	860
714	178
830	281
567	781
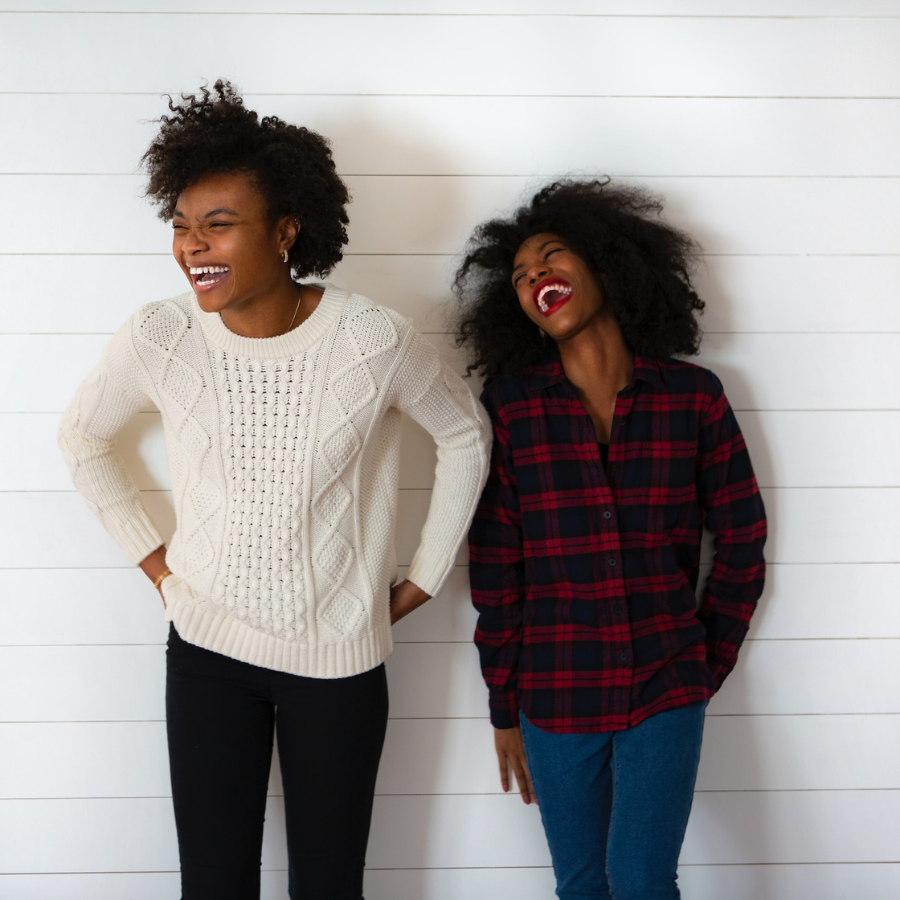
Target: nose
536	272
194	241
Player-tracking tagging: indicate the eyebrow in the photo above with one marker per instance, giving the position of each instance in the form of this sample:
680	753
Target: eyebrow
213	212
551	241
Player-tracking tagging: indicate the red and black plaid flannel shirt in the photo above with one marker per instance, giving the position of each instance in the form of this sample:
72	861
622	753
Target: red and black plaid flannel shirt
585	579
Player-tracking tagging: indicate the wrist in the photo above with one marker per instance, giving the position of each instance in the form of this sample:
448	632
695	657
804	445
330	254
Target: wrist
161	577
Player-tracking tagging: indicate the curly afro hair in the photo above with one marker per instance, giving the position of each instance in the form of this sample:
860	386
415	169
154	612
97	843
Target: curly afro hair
213	132
643	267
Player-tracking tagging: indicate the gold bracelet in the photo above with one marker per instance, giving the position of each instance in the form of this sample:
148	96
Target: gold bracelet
160	577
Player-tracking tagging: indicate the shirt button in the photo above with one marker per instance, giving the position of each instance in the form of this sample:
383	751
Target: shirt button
607	514
623	657
612	561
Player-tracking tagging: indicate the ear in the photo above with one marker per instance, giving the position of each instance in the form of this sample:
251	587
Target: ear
288	229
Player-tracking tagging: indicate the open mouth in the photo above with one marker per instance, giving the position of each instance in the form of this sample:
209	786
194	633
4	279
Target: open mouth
550	295
207	277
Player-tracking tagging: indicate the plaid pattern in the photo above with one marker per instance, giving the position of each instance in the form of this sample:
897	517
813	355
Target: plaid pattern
585	579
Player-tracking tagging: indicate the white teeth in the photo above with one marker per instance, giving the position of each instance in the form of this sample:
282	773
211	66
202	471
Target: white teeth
207	270
561	288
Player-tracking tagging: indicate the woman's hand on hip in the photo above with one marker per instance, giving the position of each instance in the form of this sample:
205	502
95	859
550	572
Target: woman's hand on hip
511	752
155	568
405	597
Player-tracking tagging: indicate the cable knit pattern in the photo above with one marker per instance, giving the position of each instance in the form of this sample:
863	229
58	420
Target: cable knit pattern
284	454
266	418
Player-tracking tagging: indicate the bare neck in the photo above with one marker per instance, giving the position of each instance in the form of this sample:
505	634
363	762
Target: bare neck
274	313
599	364
598	356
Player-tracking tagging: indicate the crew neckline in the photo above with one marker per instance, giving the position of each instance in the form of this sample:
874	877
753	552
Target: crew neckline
297	340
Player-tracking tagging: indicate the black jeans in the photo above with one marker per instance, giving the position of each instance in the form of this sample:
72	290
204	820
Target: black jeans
220	715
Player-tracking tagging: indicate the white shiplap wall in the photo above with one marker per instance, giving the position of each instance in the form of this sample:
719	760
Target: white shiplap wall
771	126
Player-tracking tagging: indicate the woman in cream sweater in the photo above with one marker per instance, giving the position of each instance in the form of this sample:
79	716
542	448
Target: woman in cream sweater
281	407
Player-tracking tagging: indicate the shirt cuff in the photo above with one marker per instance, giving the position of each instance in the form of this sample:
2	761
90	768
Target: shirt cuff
719	666
504	709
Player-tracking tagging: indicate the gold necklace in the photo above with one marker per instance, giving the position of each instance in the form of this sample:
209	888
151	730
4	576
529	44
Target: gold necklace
296	310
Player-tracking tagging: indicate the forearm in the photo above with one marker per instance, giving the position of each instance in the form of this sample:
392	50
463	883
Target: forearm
87	437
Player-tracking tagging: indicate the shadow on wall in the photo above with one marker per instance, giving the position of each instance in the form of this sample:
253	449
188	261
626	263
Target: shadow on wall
718	834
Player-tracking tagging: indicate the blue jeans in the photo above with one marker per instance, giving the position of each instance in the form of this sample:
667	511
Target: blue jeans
615	805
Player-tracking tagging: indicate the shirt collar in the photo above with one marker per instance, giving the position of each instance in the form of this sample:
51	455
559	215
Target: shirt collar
549	371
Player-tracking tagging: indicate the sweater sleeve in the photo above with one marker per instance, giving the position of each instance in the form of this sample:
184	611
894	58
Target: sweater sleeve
104	403
431	393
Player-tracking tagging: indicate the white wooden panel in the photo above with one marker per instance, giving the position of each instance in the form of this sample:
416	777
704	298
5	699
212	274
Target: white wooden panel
638	136
118	606
829	881
827	448
396	214
854	525
124	835
84	759
116	886
719	57
735	828
825	601
80	606
96	886
58	529
812	677
743	8
800	293
786	827
530	883
416	286
71	684
740	753
30	459
436	214
786	448
825	881
743	293
29	384
806	525
806	371
759	371
781	882
456	756
797	753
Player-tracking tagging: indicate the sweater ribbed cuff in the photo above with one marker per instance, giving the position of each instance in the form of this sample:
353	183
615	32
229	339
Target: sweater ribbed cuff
138	538
429	571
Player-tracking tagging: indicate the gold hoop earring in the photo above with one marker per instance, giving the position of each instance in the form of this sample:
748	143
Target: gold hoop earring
284	254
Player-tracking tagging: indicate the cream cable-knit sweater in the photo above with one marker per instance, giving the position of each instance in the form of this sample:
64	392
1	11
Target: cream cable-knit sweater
284	459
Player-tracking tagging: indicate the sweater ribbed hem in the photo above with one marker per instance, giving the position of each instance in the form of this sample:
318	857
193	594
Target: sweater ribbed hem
213	629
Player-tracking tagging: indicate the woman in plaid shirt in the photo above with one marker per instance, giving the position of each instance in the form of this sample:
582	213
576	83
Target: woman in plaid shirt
609	457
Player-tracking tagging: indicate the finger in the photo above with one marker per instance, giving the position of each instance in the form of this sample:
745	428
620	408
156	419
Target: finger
523	778
530	787
503	760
